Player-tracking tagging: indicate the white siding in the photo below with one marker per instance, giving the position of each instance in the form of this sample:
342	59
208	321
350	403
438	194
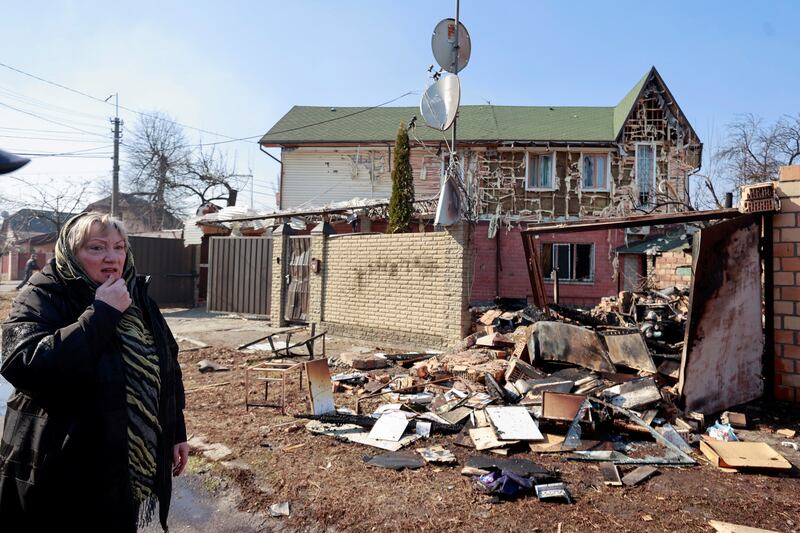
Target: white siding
318	176
313	176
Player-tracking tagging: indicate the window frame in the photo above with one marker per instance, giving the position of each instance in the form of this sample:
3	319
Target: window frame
607	186
654	167
573	252
539	155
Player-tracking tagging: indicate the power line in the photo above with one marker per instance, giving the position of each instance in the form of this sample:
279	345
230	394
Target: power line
49	120
38	130
342	116
101	100
304	126
76	152
230	139
60	139
47	105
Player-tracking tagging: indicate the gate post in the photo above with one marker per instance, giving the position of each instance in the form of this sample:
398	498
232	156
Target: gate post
786	306
460	266
280	269
316	281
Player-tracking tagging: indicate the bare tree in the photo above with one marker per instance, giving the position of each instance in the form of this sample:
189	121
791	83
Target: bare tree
754	150
163	166
53	202
157	153
789	139
207	176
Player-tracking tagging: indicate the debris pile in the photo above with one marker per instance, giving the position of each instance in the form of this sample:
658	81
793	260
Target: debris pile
595	386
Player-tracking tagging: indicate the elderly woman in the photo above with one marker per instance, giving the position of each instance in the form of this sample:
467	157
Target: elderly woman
94	429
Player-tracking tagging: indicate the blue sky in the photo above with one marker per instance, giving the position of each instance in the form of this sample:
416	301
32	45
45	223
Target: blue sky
236	67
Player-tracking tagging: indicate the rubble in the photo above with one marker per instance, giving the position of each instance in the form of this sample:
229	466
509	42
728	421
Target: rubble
597	386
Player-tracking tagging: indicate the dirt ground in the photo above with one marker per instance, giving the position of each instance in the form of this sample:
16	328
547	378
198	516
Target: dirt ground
329	487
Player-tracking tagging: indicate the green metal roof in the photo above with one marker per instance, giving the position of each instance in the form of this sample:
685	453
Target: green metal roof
310	125
659	243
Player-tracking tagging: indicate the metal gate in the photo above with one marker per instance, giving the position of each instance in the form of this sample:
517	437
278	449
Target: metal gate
172	268
299	254
239	275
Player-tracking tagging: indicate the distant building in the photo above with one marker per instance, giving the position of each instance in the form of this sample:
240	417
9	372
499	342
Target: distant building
27	223
26	232
138	214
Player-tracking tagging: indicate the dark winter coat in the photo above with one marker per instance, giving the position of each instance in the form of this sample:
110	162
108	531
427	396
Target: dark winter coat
64	451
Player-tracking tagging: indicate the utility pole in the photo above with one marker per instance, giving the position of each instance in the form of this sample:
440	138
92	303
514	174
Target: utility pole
455	72
115	169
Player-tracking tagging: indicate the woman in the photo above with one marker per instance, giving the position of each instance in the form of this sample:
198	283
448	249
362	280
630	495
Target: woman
95	427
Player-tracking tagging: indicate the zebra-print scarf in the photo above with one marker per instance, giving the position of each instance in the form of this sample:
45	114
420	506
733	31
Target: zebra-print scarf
142	378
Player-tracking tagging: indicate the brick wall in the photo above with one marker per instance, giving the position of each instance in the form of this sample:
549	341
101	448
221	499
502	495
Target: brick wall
786	266
665	272
408	287
514	281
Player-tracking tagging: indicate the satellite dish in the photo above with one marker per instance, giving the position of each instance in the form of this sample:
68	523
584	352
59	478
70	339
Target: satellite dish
439	103
443	44
10	162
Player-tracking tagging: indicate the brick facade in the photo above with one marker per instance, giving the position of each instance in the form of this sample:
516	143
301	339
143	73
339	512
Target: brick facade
666	273
786	268
510	279
409	287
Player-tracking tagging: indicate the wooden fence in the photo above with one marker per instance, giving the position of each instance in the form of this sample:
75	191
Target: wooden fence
239	275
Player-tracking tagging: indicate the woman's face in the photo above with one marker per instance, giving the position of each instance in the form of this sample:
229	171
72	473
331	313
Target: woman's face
103	255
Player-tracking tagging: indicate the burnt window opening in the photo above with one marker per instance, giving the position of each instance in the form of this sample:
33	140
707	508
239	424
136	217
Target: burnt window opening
574	262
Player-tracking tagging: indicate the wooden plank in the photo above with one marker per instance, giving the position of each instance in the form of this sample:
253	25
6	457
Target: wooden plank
736	455
727	527
638	475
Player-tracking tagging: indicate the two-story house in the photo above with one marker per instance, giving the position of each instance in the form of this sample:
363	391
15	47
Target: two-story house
519	165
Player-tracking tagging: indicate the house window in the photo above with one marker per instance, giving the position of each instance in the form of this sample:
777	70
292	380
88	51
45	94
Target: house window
540	172
574	262
595	172
646	172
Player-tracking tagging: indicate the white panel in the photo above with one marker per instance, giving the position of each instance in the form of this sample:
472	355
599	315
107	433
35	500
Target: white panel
315	177
318	176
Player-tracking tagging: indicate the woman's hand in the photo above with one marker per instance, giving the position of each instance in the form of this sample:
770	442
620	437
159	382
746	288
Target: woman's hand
114	293
180	456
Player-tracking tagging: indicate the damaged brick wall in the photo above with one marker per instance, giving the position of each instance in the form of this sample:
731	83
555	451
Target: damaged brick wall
672	269
409	287
498	173
513	279
786	267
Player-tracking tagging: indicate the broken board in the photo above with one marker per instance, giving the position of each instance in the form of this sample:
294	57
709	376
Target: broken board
561	406
727	527
630	350
556	341
633	394
484	438
550	444
390	426
513	423
742	455
318	378
610	474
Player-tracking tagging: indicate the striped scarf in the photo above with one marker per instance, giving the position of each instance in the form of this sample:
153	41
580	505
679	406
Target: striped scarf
142	378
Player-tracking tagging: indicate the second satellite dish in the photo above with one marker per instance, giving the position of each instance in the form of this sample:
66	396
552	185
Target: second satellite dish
439	104
443	44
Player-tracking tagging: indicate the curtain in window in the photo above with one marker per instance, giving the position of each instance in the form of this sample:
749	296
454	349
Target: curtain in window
588	172
547	171
644	171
